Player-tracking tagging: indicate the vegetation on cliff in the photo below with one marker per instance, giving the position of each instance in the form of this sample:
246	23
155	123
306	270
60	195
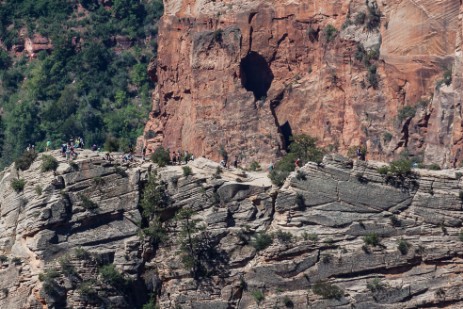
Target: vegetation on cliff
93	82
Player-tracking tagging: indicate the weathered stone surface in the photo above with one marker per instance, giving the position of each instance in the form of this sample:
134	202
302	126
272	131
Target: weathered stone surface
322	237
246	74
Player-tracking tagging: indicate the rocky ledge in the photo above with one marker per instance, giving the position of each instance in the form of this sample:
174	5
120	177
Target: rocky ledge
336	235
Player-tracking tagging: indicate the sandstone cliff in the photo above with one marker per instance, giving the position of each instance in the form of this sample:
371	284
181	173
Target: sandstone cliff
245	75
336	235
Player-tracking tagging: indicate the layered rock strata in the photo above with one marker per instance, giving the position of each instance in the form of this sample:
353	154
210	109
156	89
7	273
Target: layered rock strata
245	76
335	235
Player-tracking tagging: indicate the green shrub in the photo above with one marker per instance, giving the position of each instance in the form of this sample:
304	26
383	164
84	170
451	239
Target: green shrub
330	32
38	190
262	241
303	147
154	197
111	144
161	156
373	78
284	236
88	203
405	113
434	167
49	163
403	246
255	166
3	259
383	170
16	261
110	275
371	239
327	290
258	296
82	254
387	137
48	275
360	18
87	290
98	181
187	171
400	167
375	285
18	184
313	237
66	267
373	18
25	161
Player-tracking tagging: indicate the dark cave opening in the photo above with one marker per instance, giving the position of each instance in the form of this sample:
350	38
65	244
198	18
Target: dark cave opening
287	133
256	75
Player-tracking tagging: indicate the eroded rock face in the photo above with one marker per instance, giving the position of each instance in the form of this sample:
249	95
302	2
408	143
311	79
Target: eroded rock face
247	75
384	243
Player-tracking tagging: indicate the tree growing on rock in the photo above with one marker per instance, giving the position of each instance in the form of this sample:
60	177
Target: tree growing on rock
303	147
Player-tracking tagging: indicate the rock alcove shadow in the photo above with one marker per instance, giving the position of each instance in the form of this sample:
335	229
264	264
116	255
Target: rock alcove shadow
256	75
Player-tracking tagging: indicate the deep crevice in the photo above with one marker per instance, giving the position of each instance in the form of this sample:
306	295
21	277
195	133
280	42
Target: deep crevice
256	75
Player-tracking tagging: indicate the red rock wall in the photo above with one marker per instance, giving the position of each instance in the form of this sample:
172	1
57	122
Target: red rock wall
317	86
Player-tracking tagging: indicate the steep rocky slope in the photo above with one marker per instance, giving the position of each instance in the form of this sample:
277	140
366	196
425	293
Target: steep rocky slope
246	75
335	235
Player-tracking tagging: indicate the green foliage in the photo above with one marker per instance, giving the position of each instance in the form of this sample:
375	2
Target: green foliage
374	17
255	166
262	241
258	296
327	290
434	167
82	87
151	304
360	18
88	203
387	137
405	113
161	156
110	275
403	246
375	285
16	261
111	144
87	291
81	254
66	267
373	78
191	242
3	259
38	190
330	32
371	239
25	161
18	184
303	147
400	168
187	171
49	274
154	197
49	163
156	232
284	236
